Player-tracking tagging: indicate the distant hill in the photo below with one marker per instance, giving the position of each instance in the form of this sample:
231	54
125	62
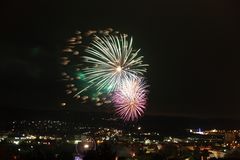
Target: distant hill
160	123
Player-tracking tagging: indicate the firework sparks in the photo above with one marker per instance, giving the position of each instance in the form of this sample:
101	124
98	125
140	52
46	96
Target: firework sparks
130	99
112	59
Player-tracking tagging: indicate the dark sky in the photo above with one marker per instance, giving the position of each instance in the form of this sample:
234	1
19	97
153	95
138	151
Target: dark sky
192	48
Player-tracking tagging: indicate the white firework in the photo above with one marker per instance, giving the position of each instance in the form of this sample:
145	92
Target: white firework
112	59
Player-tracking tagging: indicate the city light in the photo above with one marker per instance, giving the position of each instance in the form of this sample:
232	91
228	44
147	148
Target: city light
86	146
77	141
217	142
77	158
16	142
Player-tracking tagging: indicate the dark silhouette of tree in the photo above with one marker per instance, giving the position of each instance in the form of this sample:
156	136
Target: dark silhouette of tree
169	151
234	154
104	152
65	156
205	154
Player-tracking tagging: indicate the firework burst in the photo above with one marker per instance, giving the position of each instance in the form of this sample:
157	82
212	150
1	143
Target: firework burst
130	99
112	59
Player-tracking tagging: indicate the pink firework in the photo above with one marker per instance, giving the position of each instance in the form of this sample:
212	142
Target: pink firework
130	99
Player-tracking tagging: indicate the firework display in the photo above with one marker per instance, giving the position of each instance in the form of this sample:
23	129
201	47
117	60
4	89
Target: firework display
113	60
130	98
103	66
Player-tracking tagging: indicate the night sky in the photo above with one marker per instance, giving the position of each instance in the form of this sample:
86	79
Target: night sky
192	48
